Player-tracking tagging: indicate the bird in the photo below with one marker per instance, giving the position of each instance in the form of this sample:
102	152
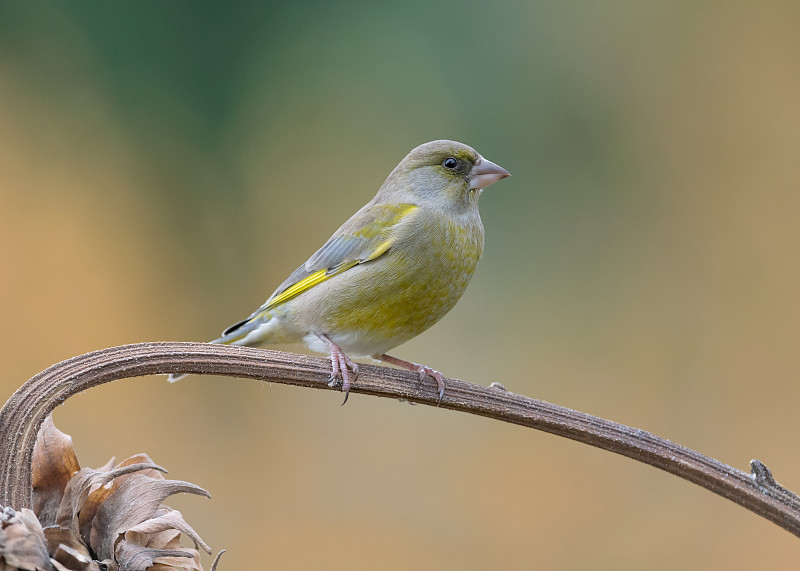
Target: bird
390	272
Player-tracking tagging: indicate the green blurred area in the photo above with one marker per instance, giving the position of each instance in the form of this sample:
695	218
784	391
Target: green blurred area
163	166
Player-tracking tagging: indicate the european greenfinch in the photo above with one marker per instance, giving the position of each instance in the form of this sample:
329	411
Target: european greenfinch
395	268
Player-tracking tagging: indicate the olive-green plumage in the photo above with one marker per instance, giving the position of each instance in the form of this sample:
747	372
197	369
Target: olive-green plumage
395	268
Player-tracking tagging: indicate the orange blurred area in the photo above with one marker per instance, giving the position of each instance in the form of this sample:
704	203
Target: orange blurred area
164	168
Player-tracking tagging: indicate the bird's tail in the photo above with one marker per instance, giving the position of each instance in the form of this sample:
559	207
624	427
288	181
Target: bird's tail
174	377
250	331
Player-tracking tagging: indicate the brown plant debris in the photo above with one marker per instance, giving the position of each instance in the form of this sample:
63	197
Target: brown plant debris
106	519
22	544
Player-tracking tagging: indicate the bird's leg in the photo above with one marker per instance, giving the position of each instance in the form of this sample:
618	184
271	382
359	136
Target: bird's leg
422	370
341	366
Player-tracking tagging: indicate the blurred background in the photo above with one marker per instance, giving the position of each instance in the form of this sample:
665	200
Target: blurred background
164	166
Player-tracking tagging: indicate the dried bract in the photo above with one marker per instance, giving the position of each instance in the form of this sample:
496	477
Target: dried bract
22	543
107	519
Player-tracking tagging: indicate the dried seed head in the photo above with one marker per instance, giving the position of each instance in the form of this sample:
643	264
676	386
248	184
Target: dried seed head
107	519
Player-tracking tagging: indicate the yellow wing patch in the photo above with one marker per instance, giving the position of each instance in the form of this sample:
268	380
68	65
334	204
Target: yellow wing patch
380	250
307	283
386	217
369	231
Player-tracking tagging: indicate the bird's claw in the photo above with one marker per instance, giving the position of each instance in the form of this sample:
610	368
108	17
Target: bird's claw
422	370
343	369
428	372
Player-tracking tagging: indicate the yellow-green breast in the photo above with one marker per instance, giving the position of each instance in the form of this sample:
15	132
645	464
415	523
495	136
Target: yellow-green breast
382	303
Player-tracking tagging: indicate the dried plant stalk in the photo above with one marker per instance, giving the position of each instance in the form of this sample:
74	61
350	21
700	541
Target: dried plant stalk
25	411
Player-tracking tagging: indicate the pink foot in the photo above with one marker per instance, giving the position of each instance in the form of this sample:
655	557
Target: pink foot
341	366
422	370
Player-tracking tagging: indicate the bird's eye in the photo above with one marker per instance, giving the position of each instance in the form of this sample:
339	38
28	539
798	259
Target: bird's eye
450	163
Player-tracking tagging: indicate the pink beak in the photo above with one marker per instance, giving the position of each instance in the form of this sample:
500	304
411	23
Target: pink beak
485	173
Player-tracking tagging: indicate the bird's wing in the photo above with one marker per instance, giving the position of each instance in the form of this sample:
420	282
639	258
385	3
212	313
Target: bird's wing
366	236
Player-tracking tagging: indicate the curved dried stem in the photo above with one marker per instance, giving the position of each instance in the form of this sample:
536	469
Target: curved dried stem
23	414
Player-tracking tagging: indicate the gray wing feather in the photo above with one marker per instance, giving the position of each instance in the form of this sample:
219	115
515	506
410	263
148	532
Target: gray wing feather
342	247
337	250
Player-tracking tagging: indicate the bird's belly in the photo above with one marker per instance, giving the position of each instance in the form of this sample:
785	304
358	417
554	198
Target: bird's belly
378	305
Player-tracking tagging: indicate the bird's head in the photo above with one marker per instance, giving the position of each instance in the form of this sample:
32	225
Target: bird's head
443	173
